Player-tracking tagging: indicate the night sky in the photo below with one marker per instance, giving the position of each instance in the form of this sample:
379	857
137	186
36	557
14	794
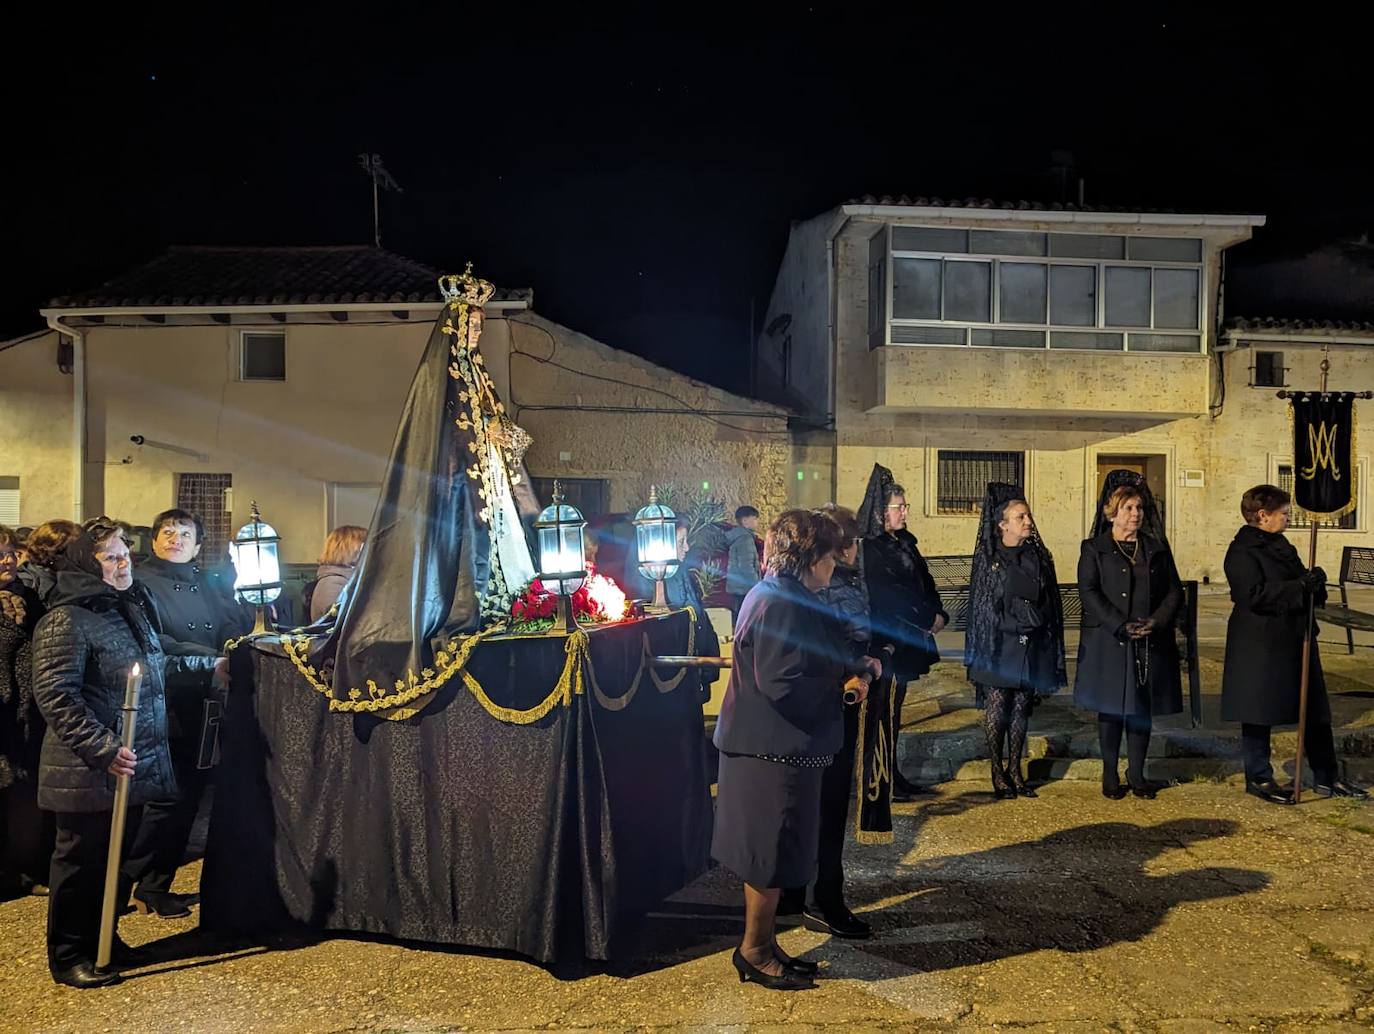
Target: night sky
638	166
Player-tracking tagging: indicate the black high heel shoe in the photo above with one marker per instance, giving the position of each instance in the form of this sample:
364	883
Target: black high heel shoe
1146	791
1020	787
1112	788
1002	789
788	980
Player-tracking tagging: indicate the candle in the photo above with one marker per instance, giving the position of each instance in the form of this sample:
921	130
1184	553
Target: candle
132	686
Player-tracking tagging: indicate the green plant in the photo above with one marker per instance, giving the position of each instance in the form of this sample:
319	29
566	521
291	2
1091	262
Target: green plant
708	576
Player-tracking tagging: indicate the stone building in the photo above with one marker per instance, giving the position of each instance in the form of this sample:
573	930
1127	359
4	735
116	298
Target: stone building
210	377
958	343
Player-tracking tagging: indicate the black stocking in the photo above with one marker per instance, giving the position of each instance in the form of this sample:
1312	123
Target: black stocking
1021	701
996	717
1109	739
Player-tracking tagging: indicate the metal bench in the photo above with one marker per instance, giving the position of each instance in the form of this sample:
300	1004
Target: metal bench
1357	568
952	575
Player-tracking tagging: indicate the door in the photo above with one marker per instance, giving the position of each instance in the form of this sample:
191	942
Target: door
1154	468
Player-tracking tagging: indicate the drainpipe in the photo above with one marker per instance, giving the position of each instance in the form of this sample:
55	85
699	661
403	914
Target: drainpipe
78	413
832	333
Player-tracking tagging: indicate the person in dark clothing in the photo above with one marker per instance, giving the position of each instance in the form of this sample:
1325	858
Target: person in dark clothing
1127	654
825	910
83	649
1014	643
905	605
780	724
1270	593
196	614
742	568
26	834
43	548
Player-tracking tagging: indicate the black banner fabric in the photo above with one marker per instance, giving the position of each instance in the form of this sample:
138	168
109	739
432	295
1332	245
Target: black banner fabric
551	839
1324	457
875	761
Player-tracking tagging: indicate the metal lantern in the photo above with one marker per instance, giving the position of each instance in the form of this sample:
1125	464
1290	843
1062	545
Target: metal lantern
656	539
256	560
562	556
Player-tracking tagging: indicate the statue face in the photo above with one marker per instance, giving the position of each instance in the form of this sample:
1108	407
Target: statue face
475	318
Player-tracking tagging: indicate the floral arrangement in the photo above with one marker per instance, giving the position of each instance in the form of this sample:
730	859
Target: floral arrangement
599	600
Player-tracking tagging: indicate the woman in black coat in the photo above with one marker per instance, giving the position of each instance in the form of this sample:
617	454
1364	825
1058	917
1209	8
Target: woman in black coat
1270	591
905	606
1014	644
780	725
1127	656
83	649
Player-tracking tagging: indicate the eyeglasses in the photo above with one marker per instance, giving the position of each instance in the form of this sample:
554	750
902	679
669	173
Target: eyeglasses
899	506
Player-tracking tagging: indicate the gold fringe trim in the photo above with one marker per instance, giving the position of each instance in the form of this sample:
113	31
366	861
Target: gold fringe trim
646	664
412	687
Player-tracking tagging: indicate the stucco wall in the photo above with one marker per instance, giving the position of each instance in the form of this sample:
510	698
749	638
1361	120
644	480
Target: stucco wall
334	417
36	428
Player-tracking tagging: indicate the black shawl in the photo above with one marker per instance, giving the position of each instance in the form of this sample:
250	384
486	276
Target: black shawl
1151	523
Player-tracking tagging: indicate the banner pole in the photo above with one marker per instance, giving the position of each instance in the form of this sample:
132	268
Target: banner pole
1303	685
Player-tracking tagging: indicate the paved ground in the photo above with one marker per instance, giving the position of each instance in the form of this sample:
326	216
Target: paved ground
1203	910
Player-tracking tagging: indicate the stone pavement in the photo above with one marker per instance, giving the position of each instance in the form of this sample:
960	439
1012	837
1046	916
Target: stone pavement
1203	910
942	740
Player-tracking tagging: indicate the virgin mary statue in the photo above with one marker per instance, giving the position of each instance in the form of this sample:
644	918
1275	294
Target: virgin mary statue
447	548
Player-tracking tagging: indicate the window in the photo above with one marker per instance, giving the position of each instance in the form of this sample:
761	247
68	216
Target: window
9	501
1015	289
1300	517
262	356
203	495
1268	370
962	478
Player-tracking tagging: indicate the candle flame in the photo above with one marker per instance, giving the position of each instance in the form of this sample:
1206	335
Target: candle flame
134	671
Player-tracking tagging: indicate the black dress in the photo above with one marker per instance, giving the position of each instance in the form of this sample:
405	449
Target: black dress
780	724
1026	645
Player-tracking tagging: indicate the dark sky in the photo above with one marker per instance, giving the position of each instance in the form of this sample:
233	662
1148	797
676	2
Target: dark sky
638	166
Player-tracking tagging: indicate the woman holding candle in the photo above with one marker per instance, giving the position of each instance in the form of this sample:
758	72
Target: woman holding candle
84	649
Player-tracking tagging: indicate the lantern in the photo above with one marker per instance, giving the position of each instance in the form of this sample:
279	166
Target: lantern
656	540
562	557
258	580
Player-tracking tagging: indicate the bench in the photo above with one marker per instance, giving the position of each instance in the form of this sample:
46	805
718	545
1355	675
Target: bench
952	575
1357	568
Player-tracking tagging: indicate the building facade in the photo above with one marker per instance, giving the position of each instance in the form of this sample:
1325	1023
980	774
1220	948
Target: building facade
962	343
213	377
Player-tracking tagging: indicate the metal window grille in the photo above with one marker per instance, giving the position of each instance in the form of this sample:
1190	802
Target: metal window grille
203	495
1268	370
1300	517
964	476
9	501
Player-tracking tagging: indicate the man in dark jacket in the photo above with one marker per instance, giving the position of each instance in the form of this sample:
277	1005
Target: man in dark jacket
83	650
196	608
742	569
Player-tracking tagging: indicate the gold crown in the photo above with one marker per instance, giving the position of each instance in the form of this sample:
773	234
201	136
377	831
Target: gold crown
466	288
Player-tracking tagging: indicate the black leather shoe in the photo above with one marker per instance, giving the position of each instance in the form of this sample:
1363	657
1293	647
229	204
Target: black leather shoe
1020	788
839	923
1114	791
165	906
84	975
1269	791
788	980
1146	791
1340	788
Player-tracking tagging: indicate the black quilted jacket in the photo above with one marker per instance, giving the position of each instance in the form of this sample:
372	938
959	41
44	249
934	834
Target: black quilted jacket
83	649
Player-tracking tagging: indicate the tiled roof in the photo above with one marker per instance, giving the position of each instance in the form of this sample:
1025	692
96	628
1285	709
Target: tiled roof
1272	325
210	276
989	203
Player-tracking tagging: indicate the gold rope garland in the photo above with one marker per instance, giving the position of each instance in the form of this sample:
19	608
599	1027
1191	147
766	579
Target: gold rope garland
572	681
645	662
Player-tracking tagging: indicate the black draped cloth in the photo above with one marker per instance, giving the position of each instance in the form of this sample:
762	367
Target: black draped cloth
551	838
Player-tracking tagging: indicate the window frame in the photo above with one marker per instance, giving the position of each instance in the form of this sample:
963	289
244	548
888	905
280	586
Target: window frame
932	477
244	334
1199	268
